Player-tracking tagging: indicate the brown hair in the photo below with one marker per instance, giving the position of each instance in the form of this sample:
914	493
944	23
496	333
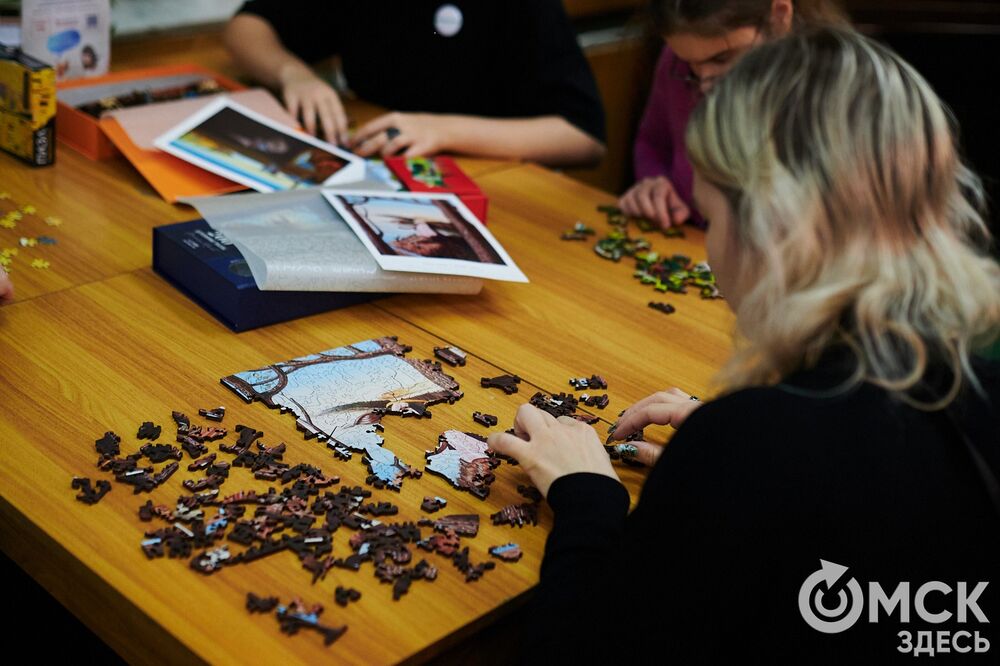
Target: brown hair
715	17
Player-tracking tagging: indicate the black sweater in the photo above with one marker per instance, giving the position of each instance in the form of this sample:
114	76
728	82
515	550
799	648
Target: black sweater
751	493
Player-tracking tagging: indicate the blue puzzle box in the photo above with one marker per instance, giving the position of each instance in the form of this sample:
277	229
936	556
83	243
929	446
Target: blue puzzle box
202	264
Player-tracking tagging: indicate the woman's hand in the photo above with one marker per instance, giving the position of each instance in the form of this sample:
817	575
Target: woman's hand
418	134
313	100
655	199
549	448
670	407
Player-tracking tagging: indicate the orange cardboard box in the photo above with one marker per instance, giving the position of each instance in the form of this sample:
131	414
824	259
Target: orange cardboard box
82	132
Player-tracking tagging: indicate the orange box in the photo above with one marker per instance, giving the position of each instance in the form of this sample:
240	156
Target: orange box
82	132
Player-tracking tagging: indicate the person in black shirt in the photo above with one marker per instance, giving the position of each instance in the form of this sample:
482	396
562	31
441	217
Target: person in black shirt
484	77
839	502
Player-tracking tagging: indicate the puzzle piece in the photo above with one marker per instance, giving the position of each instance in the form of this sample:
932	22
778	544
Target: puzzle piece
599	401
206	433
148	431
507	383
343	595
665	308
109	444
472	571
462	525
88	493
446	544
508	552
296	616
516	515
561	404
216	414
580	232
433	504
40	264
462	458
257	604
453	356
595	382
159	453
28	242
212	560
53	221
487	420
530	493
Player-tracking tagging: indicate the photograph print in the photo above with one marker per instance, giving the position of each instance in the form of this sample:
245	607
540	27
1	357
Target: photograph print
424	233
237	143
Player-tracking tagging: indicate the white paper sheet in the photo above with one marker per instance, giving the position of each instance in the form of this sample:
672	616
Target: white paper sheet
295	241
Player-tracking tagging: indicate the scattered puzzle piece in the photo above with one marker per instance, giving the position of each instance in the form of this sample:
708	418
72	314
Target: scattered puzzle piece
595	382
451	355
472	571
216	414
257	604
516	515
53	221
508	552
89	494
665	308
487	420
462	525
109	444
507	383
40	264
343	595
148	431
433	504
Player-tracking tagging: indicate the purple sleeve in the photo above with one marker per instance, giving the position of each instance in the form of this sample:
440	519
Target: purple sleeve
652	142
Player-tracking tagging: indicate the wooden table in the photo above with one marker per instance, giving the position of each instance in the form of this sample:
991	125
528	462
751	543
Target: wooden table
99	342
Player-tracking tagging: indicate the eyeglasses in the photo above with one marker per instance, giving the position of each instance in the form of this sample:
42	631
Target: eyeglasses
681	71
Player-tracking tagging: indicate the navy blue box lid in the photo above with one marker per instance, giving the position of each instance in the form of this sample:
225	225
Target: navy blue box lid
201	263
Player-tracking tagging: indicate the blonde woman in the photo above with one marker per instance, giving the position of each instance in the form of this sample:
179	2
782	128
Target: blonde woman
855	425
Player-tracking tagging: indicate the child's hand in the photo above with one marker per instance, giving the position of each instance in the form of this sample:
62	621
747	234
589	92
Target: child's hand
6	287
655	199
671	407
311	99
419	134
549	448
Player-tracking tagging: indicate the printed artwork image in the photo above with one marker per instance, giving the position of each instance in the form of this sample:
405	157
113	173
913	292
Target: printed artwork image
427	233
239	144
340	395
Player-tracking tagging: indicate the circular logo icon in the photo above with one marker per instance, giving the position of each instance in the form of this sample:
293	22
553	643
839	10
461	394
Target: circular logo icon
448	20
829	601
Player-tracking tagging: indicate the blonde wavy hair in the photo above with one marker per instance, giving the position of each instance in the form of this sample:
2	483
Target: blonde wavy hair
855	219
